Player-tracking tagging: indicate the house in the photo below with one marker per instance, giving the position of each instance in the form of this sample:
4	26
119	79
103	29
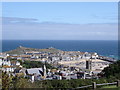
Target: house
86	55
55	58
66	57
6	62
32	52
26	56
94	56
36	73
34	57
4	55
7	68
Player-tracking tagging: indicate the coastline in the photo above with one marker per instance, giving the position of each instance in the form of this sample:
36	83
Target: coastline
107	48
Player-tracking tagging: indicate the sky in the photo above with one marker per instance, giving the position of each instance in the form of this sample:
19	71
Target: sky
59	20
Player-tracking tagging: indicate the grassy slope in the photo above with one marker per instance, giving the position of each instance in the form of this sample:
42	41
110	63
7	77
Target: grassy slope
111	87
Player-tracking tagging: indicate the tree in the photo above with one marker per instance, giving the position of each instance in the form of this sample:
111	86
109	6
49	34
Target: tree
113	70
35	64
6	81
22	83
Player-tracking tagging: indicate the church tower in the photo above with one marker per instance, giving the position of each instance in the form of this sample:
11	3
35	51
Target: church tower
44	71
88	64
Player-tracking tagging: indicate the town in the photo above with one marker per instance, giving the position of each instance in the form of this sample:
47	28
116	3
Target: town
67	64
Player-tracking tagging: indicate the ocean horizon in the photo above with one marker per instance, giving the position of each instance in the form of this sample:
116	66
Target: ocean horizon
102	47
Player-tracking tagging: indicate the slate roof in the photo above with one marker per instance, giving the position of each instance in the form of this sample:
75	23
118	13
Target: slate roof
37	71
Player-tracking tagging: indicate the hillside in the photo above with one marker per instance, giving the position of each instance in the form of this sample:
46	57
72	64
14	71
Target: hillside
22	50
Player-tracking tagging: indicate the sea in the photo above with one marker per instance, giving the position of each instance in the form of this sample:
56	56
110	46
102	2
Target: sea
102	47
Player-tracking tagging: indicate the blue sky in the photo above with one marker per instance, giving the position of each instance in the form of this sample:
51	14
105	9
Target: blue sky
60	21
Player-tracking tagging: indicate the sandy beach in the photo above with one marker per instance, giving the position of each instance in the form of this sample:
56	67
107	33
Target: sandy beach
97	64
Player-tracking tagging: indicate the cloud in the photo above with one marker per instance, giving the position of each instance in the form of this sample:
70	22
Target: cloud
14	20
32	29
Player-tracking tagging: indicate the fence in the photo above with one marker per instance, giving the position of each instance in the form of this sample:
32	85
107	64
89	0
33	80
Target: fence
94	85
